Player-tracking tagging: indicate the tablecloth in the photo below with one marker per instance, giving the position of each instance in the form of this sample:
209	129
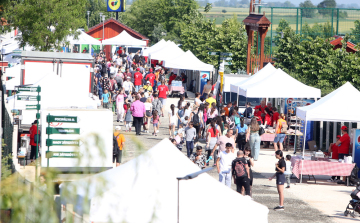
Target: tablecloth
321	168
173	88
268	137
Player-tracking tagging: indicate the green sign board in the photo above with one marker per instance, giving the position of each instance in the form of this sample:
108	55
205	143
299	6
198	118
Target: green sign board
71	131
28	98
32	107
213	53
227	63
30	89
58	154
62	142
225	58
67	119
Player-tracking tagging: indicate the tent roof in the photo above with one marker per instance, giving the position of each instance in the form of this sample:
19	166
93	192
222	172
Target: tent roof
279	85
149	183
83	38
155	47
124	39
188	61
258	76
325	109
170	51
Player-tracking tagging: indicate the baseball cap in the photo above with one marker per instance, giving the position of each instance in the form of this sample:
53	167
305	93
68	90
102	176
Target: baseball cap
148	82
343	127
117	127
137	69
150	69
338	136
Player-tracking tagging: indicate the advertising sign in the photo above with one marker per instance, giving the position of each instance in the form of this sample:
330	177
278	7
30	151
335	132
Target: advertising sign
72	139
116	5
356	147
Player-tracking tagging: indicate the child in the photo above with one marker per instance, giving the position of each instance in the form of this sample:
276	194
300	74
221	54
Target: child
288	170
128	118
226	128
181	130
113	99
156	121
185	120
105	99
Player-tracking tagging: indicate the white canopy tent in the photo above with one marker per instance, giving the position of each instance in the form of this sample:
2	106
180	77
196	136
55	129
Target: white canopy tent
149	184
155	47
124	39
279	85
263	73
83	38
188	61
53	96
169	52
323	110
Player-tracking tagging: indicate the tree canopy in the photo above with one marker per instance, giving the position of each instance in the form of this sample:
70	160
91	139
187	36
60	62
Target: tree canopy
45	23
308	12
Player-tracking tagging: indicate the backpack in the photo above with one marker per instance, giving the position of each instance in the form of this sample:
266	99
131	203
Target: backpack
240	169
284	127
230	123
115	145
196	119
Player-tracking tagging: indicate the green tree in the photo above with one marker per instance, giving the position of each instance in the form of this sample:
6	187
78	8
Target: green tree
223	11
283	24
144	15
306	30
322	7
308	10
355	32
45	23
96	7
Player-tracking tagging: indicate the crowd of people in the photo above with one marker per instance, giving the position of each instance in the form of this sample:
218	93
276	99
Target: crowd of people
137	94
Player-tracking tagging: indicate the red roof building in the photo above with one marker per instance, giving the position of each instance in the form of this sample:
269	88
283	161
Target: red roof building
350	47
113	28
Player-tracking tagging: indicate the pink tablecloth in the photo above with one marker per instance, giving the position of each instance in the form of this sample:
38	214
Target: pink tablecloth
268	137
321	168
173	88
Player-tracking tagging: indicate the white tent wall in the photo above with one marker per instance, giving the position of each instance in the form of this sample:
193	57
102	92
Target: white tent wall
123	195
162	43
124	39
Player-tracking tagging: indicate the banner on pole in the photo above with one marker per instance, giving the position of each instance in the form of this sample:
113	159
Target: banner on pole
116	5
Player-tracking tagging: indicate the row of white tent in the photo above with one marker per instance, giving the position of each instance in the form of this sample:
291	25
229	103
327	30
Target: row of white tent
174	57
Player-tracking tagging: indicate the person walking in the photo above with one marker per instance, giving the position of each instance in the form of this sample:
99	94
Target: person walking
138	112
163	92
206	90
33	131
241	130
221	143
172	121
156	122
128	118
223	165
190	133
212	136
250	162
105	99
120	139
280	130
253	136
148	114
198	158
120	99
156	104
137	79
241	172
280	178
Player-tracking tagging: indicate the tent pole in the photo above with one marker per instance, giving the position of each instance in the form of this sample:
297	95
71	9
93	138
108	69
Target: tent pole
327	134
321	134
295	133
178	204
303	156
334	132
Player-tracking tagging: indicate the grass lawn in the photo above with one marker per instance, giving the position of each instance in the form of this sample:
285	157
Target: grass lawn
345	24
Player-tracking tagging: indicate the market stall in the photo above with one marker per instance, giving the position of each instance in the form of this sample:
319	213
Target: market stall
83	38
118	194
326	110
188	61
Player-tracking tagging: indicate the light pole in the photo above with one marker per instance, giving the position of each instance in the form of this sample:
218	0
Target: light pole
88	12
188	177
100	15
103	19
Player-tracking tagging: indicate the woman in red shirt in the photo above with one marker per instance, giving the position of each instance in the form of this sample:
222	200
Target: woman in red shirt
33	131
267	119
212	135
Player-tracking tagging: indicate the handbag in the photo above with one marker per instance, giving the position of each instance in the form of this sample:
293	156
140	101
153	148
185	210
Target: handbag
261	131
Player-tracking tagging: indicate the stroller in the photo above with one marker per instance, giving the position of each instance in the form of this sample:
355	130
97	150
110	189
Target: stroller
354	204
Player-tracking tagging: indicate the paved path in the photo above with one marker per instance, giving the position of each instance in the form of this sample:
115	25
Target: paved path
264	191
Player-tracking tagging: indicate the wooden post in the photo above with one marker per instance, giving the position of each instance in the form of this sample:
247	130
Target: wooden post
263	32
249	32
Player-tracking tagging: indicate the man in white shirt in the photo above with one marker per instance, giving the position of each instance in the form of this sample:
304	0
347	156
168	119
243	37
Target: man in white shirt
223	165
128	86
112	70
118	60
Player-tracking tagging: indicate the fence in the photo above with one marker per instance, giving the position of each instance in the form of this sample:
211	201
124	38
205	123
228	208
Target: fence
323	22
7	134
